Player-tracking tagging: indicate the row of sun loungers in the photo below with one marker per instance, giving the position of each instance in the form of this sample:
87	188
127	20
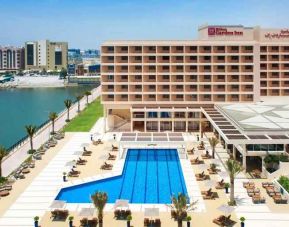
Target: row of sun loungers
121	214
155	223
220	184
89	222
59	214
254	193
202	176
274	193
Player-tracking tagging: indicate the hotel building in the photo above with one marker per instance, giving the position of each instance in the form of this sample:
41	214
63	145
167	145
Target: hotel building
46	55
161	85
11	58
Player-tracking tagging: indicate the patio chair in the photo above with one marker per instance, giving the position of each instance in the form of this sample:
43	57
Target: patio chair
146	222
220	220
206	192
86	153
106	166
195	161
211	195
111	156
157	222
81	162
93	222
73	173
191	151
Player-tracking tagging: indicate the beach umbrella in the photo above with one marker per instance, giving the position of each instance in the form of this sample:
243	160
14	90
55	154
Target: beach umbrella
203	167
84	144
223	174
86	212
226	209
123	203
71	163
210	183
78	153
58	204
152	212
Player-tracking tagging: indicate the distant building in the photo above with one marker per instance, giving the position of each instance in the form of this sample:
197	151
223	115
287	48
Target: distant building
45	55
11	58
74	56
71	68
90	53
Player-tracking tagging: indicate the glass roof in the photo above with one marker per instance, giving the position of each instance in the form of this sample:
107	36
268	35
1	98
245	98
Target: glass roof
258	116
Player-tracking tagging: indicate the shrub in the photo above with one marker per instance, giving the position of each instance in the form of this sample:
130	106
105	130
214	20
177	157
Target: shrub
284	181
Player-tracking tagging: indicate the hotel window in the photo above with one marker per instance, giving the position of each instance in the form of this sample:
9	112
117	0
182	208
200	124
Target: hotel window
138	77
137	49
110	68
179	87
165	58
193	77
123	77
137	96
235	48
152	49
152	68
179	68
221	58
124	87
234	58
166	48
248	58
165	87
275	57
110	87
286	48
249	67
193	87
263	57
249	97
110	58
193	58
179	48
248	48
166	77
180	115
124	58
179	96
152	96
166	96
152	58
179	58
235	68
207	97
138	68
263	49
193	48
274	48
138	87
207	77
110	96
221	67
152	114
138	58
124	68
207	58
180	77
207	87
152	87
166	68
152	77
221	77
275	66
286	57
124	49
207	49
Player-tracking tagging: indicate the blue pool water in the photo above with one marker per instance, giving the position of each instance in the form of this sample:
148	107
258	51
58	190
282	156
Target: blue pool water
149	176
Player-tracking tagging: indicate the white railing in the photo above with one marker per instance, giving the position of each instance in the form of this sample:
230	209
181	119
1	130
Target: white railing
19	153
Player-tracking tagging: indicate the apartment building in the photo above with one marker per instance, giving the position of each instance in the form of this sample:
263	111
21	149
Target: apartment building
162	85
46	55
11	58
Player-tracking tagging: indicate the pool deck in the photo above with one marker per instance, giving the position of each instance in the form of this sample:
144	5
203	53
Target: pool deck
33	195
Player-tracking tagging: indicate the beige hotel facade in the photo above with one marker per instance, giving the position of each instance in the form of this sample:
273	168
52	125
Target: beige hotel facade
157	86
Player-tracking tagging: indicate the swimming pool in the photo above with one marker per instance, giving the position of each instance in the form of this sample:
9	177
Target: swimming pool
149	176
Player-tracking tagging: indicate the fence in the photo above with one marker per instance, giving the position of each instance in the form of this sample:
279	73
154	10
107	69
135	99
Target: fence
18	151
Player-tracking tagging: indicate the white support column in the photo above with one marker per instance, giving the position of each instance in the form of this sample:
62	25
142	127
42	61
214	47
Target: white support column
159	125
244	162
105	119
131	122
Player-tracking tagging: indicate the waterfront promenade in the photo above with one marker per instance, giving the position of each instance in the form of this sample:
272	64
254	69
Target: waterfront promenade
19	153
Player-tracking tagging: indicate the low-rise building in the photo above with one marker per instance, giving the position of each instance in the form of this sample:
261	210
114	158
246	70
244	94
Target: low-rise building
11	58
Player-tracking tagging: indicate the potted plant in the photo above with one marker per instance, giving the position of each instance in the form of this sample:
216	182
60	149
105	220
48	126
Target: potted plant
189	221
242	219
36	219
71	221
64	176
128	219
227	186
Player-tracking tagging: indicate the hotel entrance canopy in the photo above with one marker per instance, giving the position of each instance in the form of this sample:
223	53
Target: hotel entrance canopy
250	123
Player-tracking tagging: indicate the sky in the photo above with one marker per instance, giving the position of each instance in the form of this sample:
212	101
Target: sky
87	23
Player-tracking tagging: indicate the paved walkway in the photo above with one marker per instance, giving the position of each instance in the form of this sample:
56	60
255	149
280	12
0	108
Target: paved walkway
38	196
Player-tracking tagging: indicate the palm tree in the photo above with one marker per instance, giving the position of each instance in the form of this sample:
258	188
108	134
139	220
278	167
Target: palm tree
31	129
213	142
203	126
3	153
181	207
67	104
99	200
87	93
233	168
52	117
78	98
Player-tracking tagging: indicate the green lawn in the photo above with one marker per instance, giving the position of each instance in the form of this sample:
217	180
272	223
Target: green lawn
86	119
